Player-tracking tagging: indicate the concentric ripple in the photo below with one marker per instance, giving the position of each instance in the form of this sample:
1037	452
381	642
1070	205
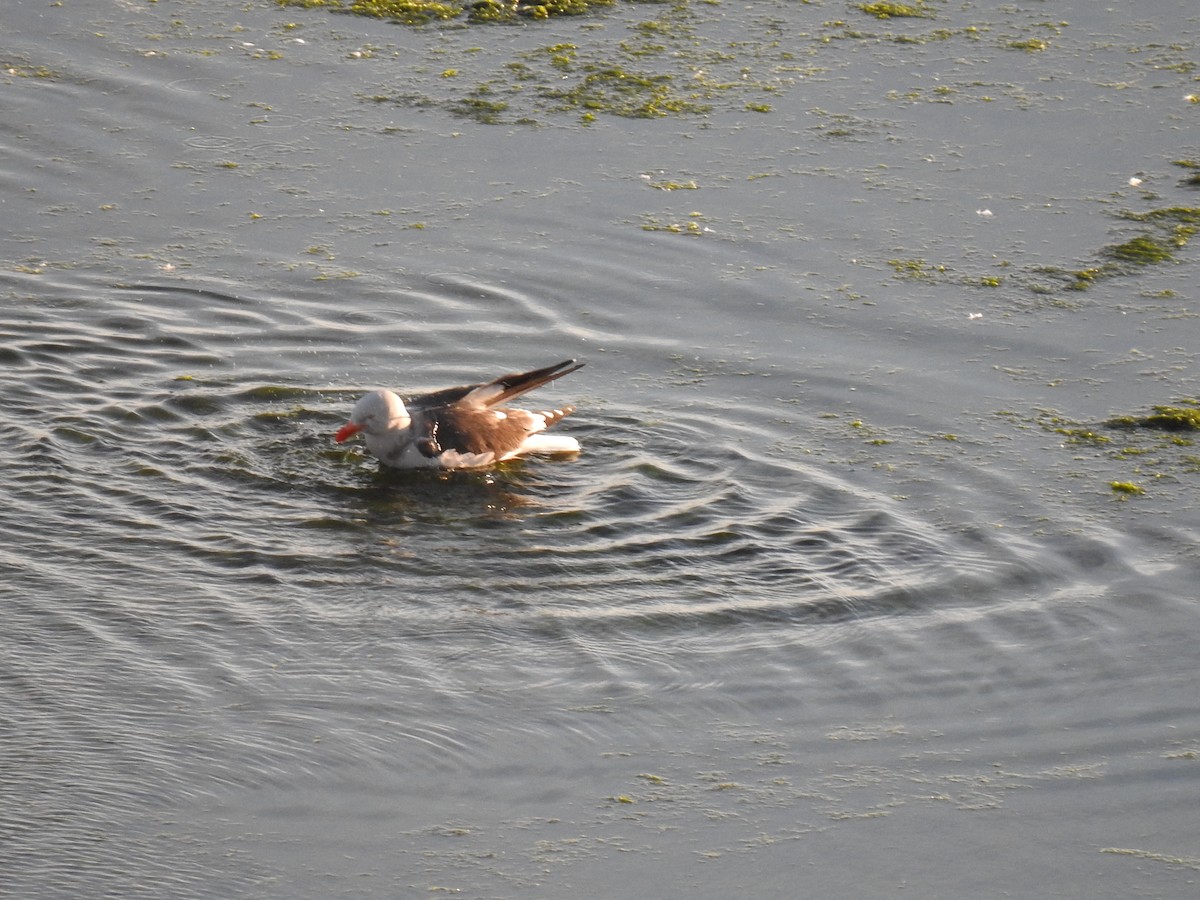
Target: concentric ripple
155	434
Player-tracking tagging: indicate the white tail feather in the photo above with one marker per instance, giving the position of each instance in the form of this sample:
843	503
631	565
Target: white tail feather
549	443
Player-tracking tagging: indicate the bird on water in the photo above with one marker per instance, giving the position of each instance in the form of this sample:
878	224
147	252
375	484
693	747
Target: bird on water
461	427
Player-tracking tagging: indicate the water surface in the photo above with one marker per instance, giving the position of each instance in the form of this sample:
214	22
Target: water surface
836	595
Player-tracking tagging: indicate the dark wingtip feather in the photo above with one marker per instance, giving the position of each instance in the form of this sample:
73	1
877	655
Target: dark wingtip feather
517	383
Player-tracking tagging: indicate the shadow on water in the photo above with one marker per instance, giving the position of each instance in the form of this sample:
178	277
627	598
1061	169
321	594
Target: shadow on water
459	500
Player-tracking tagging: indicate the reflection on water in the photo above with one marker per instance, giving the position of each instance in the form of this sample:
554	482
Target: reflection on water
822	581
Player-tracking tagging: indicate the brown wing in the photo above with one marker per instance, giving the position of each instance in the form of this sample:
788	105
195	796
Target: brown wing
468	429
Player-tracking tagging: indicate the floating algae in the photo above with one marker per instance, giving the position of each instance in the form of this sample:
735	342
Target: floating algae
423	12
1152	446
1163	418
1126	488
1141	251
889	10
1168	231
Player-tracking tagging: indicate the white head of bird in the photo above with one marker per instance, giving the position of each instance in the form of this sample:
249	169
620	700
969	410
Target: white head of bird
374	414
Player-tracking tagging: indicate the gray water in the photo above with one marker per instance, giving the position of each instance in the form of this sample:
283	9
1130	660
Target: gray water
835	602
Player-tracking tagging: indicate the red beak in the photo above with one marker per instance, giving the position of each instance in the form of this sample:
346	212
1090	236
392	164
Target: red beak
347	431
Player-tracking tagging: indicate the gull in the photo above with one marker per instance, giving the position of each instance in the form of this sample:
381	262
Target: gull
460	427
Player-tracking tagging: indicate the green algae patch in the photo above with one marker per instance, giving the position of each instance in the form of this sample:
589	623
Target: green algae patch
1029	45
1126	451
1166	232
916	269
410	12
670	63
1126	488
1082	435
675	185
1141	251
889	10
1192	166
26	71
692	227
480	107
1174	227
626	66
1163	418
423	12
1170	215
622	92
